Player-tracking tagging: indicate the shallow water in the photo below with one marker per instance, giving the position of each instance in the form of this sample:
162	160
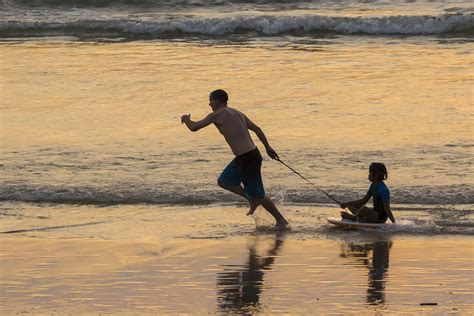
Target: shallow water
90	112
96	123
258	274
160	223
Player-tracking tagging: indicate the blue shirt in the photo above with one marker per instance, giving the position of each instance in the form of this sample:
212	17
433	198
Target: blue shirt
379	193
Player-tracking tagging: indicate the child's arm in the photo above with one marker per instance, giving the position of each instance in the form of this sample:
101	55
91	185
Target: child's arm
356	203
195	126
388	211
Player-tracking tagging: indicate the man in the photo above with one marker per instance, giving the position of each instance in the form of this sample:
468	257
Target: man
245	168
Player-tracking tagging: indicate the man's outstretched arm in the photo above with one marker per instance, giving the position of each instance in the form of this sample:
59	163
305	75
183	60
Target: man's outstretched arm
258	131
197	125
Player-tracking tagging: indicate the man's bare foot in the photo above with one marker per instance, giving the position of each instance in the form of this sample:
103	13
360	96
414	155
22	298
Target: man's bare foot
283	226
346	215
253	207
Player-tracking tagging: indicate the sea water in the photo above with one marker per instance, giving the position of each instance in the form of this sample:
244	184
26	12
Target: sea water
93	91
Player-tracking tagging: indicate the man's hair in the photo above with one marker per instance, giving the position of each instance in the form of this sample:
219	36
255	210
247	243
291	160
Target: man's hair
219	95
379	170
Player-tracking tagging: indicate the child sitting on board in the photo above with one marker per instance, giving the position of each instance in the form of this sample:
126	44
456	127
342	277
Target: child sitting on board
381	199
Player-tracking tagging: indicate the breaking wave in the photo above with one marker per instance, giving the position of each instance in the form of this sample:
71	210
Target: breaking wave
252	25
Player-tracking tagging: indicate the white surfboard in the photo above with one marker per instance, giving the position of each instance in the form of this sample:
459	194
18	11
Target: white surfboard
348	224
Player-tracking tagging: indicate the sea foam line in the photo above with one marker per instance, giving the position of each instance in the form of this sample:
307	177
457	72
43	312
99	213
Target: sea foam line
159	194
261	24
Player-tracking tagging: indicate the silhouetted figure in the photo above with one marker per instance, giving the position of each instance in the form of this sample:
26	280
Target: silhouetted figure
380	195
242	175
379	252
239	288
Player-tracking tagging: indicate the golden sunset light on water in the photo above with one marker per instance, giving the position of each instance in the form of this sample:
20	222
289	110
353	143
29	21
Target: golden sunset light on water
114	200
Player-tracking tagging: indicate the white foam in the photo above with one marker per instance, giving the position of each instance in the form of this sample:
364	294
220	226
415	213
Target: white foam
262	24
411	225
133	193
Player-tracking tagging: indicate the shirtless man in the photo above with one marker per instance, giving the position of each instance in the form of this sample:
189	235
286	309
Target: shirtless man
245	167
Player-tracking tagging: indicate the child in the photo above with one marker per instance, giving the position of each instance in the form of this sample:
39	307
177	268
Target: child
245	168
381	198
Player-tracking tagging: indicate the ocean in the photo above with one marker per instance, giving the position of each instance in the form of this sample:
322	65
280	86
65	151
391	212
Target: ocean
109	205
93	91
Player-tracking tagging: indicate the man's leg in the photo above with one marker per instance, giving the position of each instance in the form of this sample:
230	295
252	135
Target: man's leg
271	208
239	190
254	189
250	175
266	202
231	179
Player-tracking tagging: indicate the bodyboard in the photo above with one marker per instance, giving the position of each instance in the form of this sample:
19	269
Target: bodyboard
348	224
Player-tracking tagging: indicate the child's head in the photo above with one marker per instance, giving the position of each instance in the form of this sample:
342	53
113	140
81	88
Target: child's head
377	172
218	98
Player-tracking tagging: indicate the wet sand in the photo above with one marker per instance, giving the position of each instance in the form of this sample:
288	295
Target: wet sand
261	272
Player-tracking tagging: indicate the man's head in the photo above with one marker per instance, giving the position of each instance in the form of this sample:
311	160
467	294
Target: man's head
217	99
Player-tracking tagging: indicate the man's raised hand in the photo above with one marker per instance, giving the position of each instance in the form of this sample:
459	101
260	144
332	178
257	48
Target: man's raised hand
185	117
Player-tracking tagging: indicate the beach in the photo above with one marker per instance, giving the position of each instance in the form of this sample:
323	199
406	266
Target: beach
110	205
214	259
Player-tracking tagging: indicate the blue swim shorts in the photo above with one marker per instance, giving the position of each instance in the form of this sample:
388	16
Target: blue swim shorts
245	169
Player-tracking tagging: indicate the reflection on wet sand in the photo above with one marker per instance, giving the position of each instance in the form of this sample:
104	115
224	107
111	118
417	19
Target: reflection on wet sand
239	287
375	256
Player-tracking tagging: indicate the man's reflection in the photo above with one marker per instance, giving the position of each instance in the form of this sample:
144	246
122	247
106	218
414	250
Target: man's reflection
239	287
375	256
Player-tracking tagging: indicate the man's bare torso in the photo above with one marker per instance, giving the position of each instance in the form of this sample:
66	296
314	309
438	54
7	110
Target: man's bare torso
232	124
